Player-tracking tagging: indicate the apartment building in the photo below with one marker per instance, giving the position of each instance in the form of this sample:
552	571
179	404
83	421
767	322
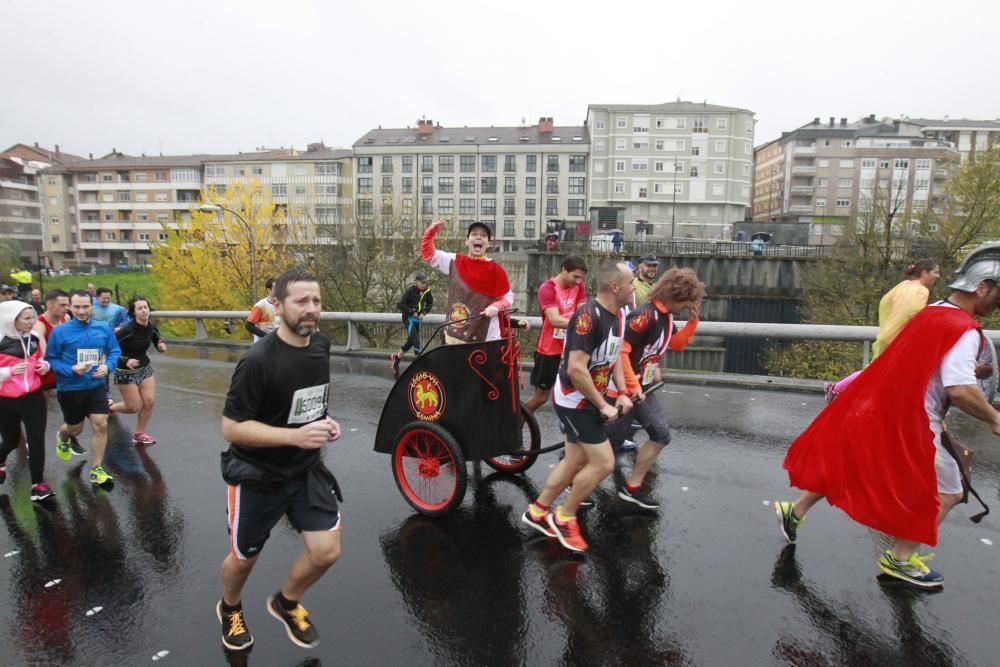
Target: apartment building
24	216
123	201
824	174
684	167
967	136
515	179
314	186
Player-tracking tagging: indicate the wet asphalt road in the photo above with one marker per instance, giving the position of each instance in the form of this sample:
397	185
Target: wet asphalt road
119	578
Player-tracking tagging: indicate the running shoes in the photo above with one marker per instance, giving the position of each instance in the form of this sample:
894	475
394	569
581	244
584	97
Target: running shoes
235	634
639	497
98	475
788	523
40	491
143	439
541	524
568	533
296	621
912	570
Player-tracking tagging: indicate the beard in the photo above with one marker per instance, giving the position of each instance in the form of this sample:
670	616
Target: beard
304	327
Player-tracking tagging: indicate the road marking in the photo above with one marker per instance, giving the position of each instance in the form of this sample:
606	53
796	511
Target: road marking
684	488
95	610
987	541
676	393
52	583
353	430
767	503
11	553
161	654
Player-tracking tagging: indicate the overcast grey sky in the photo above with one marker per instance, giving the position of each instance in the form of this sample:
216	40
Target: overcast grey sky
222	76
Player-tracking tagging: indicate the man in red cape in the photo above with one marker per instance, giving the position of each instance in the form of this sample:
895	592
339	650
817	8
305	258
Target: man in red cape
476	284
876	453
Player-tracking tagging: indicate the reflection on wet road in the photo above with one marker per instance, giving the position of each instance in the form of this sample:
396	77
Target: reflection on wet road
130	576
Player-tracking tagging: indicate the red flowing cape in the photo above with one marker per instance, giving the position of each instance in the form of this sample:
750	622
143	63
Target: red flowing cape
871	451
483	275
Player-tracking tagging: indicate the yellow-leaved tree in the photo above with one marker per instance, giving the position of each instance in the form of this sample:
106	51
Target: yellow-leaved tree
213	260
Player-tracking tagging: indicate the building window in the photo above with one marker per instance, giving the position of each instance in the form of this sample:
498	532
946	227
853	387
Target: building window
823	182
599	125
426	206
365	208
407	183
488	207
578	163
427	163
143	236
467	206
509	163
575	207
427	185
901	164
883	164
619	188
640	165
364	186
161	196
694	171
322	169
620	144
746	170
640	144
599	146
386	185
824	163
529	229
386	164
923	164
467	185
446	163
643	193
551	207
364	165
508	206
552	185
843	203
446	185
107	178
749	127
720	146
281	189
123	195
700	125
722	123
718	189
110	236
509	186
530	185
820	202
577	185
531	163
529	206
446	206
185	175
847	164
552	163
488	185
660	145
508	228
407	164
719	168
845	183
489	163
301	189
621	122
846	144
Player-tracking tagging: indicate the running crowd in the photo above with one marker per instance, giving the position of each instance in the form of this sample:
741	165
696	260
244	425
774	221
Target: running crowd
74	344
880	450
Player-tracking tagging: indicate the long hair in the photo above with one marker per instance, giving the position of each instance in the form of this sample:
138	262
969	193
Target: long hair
677	285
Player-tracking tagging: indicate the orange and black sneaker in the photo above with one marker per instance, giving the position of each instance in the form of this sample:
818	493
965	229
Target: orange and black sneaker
539	523
235	634
296	621
568	533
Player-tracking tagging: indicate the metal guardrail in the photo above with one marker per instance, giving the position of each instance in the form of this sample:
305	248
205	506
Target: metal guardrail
685	248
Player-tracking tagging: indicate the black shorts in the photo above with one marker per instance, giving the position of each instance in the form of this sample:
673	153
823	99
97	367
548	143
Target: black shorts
78	405
584	426
543	374
253	513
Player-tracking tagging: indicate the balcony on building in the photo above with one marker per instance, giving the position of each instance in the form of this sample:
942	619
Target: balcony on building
800	208
804	149
802	189
803	170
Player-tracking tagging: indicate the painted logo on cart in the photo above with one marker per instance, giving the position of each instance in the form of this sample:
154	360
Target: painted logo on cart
427	399
459	311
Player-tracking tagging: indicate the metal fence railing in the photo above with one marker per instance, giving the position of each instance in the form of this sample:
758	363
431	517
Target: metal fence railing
601	243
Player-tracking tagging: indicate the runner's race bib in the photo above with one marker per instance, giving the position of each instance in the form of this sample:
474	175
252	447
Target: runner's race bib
309	404
89	356
559	334
648	374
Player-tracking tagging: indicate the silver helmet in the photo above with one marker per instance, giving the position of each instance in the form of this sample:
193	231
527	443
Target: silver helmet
981	264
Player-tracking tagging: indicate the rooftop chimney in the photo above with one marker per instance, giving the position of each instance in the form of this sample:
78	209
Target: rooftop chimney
843	122
816	120
57	150
36	144
832	119
425	127
545	125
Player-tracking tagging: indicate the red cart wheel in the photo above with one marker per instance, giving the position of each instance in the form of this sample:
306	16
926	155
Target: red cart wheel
429	468
531	441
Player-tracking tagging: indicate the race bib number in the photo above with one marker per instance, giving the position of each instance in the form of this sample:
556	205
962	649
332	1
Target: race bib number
89	356
648	374
309	404
559	334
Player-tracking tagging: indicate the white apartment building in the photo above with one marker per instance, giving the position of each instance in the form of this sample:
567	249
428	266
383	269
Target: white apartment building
314	186
515	179
684	167
967	136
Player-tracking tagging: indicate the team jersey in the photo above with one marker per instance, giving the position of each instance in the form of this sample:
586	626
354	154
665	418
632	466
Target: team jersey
566	300
113	315
647	332
598	332
281	385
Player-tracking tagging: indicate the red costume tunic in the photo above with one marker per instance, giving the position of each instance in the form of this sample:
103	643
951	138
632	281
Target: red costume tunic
871	451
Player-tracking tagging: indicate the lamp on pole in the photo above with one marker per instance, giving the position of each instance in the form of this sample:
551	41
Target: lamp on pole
673	206
215	208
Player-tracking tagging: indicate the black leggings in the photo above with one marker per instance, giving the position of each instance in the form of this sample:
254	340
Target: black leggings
31	410
412	335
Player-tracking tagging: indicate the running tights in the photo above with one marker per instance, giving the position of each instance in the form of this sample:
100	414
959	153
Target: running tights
31	410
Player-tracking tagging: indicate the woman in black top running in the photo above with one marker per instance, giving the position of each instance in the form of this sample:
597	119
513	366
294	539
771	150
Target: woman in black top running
134	374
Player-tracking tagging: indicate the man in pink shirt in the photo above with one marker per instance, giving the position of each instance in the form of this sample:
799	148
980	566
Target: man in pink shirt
558	299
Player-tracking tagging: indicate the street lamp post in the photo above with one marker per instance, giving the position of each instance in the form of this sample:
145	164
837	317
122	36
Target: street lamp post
215	208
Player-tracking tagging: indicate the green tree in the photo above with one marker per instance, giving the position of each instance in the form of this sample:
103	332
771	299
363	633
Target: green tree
10	258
